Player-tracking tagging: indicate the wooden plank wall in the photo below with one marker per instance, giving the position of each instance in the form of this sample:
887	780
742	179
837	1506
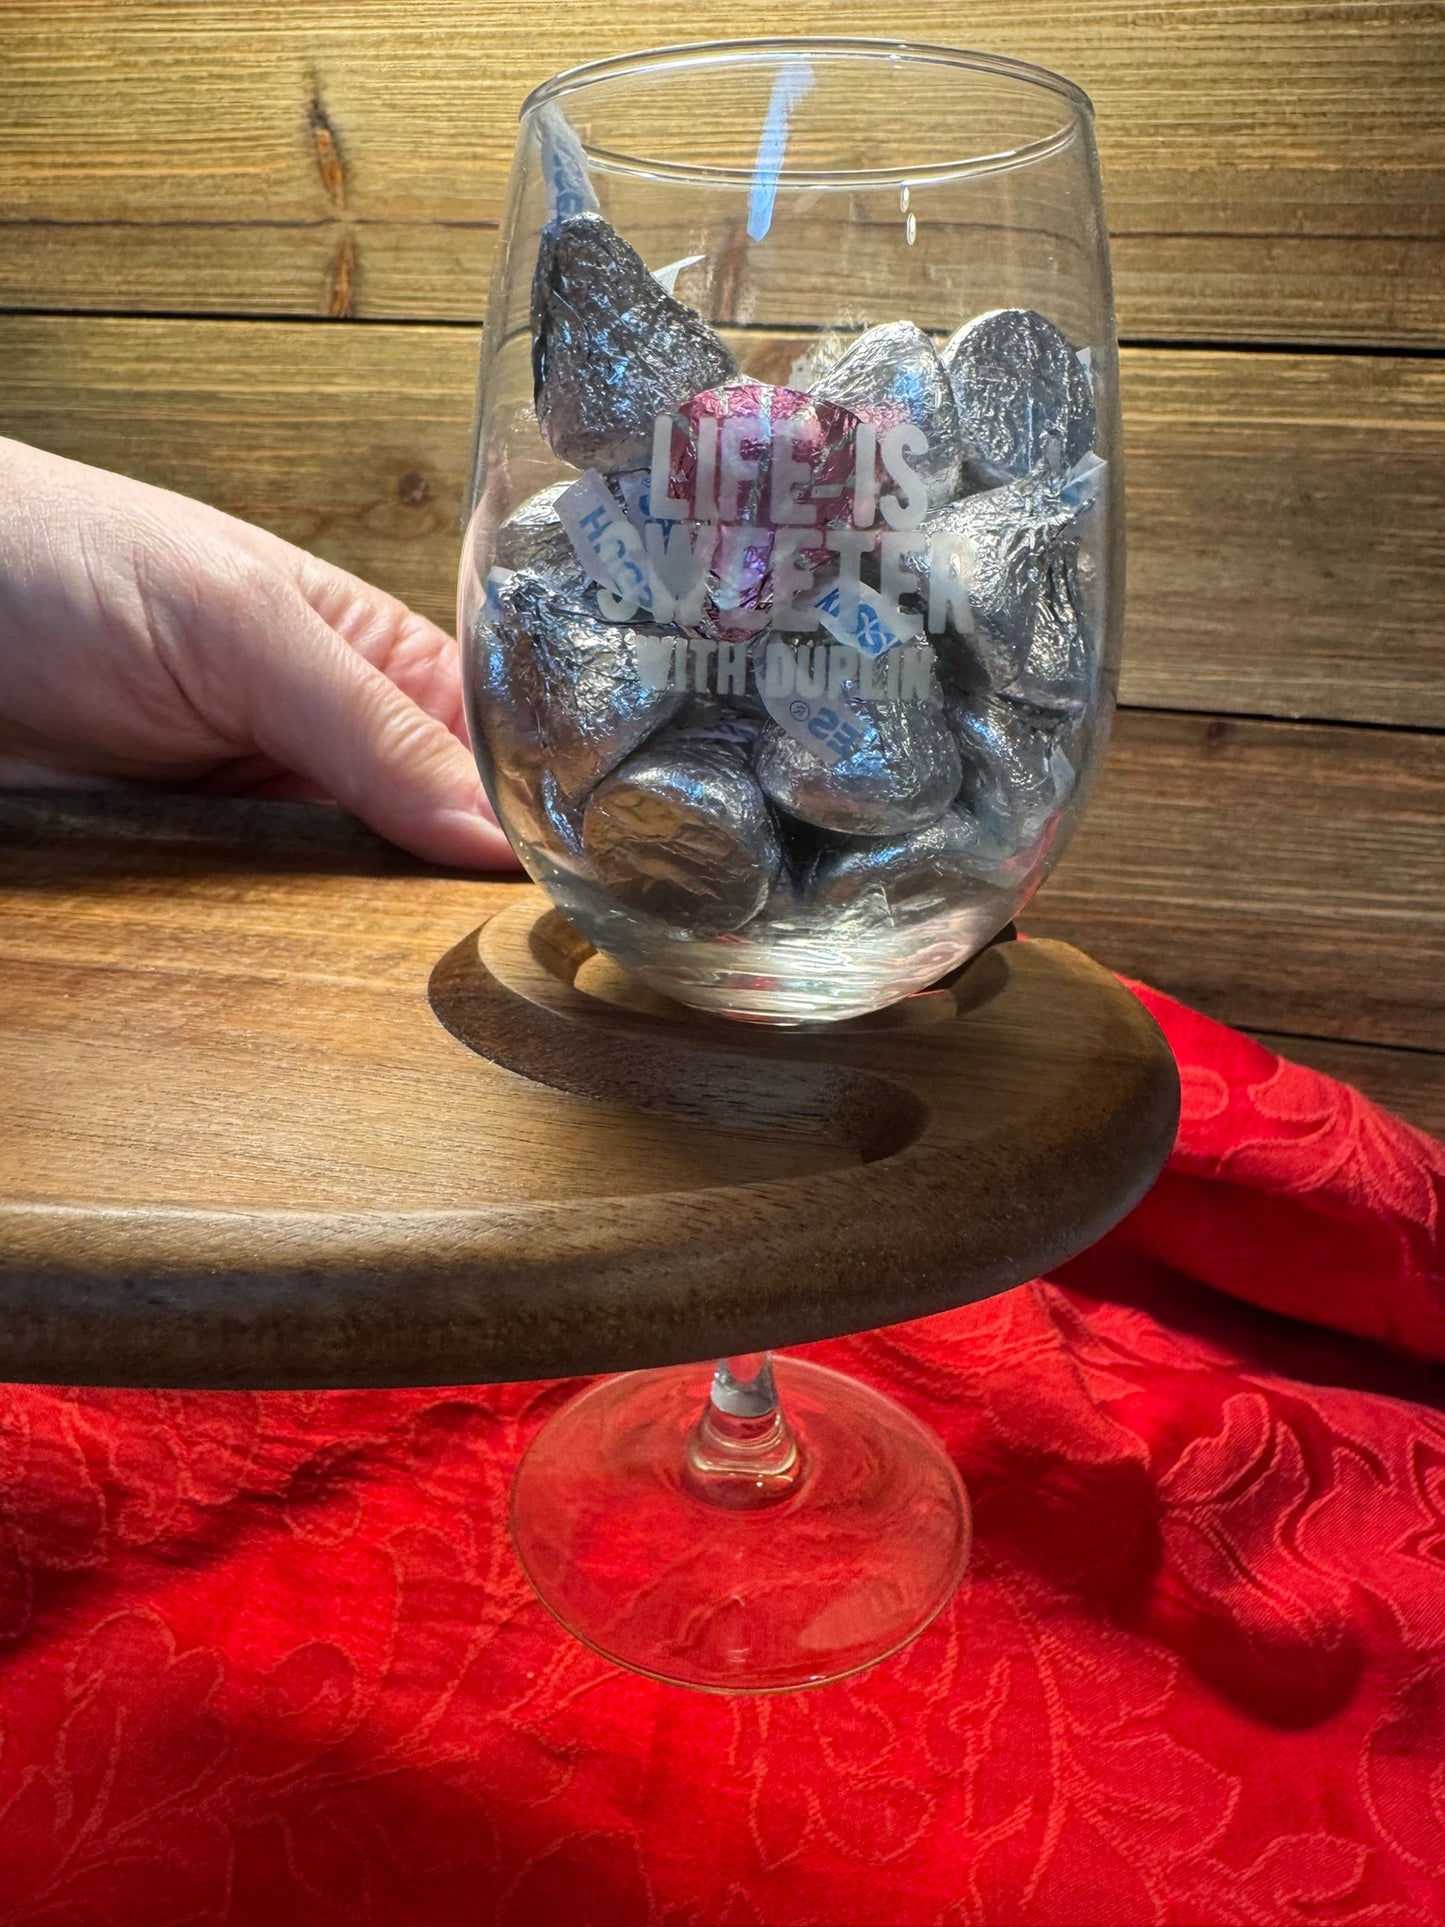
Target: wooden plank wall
243	253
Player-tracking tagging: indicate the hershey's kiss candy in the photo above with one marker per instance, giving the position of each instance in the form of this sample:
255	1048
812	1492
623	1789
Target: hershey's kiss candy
728	466
1059	673
903	772
681	832
892	375
594	690
506	728
541	817
759	471
1017	776
610	349
532	537
927	870
983	564
815	357
1024	398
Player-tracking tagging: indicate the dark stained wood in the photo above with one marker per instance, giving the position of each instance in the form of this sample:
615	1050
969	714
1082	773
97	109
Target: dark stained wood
1284	509
1280	876
1273	170
237	1148
1409	1082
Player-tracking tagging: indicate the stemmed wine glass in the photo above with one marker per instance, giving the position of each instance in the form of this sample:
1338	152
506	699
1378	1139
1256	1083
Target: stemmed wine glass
790	604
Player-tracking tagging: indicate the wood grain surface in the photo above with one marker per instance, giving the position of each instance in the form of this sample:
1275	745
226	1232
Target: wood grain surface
1409	1082
1275	172
237	1146
1274	169
257	1014
1284	510
1280	876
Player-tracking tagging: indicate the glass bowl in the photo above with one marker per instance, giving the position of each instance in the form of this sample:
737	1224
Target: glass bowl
792	584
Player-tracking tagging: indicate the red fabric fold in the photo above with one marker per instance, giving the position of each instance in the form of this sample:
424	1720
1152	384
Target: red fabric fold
1296	1192
269	1659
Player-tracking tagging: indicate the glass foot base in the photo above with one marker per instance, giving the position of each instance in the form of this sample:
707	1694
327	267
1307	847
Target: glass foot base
808	1565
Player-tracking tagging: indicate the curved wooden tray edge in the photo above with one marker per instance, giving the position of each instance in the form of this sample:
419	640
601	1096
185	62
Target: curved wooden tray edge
939	1197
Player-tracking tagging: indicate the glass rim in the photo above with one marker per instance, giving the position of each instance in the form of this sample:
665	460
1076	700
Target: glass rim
704	53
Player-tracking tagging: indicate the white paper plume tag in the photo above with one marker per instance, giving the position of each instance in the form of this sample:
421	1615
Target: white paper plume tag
865	619
605	542
564	167
823	721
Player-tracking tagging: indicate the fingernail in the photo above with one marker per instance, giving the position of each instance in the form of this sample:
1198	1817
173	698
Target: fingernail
472	838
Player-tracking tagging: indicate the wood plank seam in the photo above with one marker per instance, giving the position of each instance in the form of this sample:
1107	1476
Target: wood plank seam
1284	510
1241	210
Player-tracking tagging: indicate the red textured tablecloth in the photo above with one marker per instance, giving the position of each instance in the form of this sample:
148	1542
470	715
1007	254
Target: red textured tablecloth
268	1659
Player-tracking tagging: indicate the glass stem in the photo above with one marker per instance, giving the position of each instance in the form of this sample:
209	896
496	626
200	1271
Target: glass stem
742	1452
743	1387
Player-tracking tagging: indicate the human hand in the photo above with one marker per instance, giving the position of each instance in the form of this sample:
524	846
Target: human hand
146	637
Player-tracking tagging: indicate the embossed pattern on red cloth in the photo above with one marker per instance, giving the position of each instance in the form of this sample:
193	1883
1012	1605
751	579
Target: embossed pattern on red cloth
268	1660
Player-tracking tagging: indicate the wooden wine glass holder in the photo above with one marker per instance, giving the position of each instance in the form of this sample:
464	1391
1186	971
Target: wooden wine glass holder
841	1177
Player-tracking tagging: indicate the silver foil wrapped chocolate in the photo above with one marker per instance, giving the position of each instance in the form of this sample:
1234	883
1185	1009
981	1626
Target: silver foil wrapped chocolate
681	833
503	715
815	357
568	690
761	471
532	537
903	771
995	568
1024	398
1017	775
610	349
1060	673
892	375
934	868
